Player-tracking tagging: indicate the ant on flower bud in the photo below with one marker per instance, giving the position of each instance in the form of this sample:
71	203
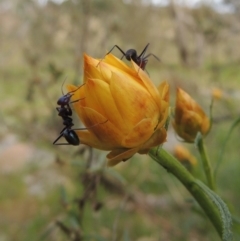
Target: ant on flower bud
131	54
65	111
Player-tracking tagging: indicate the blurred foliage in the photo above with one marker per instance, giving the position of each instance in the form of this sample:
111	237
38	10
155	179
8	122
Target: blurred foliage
65	193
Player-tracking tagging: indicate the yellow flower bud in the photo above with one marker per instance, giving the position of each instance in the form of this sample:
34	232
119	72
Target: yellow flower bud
217	94
184	156
130	110
189	118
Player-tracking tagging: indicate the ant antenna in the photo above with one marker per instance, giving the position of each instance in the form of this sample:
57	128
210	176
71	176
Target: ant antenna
63	84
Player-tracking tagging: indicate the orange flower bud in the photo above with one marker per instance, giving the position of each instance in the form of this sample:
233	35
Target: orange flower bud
134	108
189	118
217	94
184	156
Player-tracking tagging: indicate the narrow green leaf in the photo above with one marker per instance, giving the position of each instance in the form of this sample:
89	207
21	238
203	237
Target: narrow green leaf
220	158
223	209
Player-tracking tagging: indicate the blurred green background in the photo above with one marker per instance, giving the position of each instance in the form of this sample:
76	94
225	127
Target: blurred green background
50	192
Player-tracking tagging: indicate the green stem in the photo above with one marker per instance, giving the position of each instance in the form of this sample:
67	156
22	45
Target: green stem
172	165
206	164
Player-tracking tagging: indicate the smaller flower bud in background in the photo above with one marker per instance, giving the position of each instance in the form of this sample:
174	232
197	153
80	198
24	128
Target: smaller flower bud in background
189	118
184	156
217	94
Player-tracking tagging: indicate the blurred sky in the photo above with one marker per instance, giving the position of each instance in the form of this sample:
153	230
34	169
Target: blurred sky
216	4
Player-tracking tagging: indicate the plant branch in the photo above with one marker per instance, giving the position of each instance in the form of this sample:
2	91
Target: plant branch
173	166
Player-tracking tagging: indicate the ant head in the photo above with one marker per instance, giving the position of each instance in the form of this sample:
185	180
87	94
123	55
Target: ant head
131	54
64	100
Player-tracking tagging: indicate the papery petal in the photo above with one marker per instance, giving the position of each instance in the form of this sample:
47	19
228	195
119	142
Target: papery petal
139	134
116	64
205	125
91	72
158	138
191	122
100	98
163	115
95	71
88	138
148	84
93	87
132	100
104	130
163	90
116	156
90	61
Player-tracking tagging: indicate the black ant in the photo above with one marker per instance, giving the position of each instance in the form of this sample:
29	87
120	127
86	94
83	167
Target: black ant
65	111
140	60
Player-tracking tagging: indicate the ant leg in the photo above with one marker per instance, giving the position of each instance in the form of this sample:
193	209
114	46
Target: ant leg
151	55
61	135
58	137
116	46
61	132
144	50
85	128
69	93
63	144
76	100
